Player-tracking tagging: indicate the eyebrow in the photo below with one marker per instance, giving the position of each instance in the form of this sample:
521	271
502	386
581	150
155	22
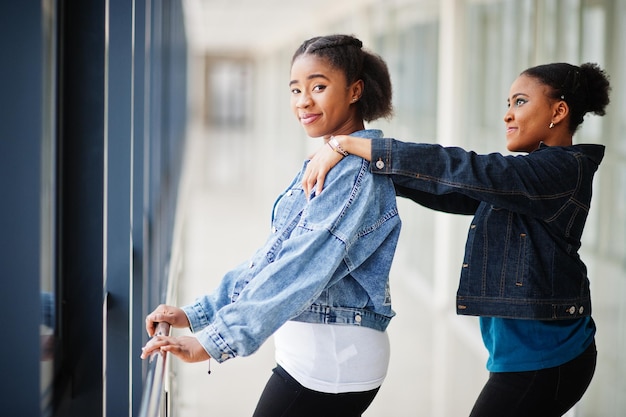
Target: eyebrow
514	96
310	77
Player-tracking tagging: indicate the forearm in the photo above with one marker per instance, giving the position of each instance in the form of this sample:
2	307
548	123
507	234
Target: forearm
455	203
541	181
360	147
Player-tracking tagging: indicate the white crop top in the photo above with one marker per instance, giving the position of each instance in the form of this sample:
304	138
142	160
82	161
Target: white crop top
333	358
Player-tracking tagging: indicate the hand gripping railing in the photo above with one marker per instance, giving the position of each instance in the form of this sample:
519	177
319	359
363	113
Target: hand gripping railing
151	402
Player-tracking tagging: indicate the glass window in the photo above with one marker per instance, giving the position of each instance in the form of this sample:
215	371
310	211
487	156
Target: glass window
415	80
499	46
413	62
48	212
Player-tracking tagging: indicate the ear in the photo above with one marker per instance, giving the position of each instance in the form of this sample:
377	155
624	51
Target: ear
356	90
560	110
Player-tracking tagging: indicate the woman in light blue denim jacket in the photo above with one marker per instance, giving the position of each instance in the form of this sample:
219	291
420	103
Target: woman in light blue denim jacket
321	280
521	273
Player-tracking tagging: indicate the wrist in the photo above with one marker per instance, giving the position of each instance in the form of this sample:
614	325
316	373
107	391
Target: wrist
345	142
336	146
361	147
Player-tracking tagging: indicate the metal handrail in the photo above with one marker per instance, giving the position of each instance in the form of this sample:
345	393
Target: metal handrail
151	404
158	379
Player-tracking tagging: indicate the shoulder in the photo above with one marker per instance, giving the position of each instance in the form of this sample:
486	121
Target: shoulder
351	169
349	164
593	152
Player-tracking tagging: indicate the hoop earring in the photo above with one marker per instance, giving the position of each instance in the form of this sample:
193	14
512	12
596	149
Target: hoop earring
551	125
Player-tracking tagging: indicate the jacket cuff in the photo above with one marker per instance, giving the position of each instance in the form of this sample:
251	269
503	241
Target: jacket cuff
381	155
198	319
207	334
215	345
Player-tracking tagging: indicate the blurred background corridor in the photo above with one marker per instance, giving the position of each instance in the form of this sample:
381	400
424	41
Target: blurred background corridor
143	145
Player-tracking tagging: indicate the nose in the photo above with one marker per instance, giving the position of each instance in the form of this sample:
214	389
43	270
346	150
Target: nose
508	116
304	100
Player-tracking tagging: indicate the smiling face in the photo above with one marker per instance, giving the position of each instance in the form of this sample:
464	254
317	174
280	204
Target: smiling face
321	99
530	112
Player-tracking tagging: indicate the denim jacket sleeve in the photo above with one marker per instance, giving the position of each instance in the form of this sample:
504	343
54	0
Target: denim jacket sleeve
537	184
292	269
455	203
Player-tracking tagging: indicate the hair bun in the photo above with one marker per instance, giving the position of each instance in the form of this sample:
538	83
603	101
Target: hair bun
597	88
356	42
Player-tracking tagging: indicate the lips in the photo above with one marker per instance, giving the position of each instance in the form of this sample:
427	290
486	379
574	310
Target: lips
510	129
308	118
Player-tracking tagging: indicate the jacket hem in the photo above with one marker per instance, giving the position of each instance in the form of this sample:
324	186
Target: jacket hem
524	309
344	316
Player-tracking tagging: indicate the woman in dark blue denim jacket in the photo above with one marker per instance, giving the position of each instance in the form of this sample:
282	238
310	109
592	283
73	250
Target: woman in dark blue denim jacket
521	273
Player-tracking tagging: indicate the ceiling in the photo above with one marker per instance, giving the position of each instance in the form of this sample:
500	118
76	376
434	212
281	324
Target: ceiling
240	27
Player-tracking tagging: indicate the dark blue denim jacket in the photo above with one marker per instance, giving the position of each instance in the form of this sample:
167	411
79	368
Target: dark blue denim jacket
521	256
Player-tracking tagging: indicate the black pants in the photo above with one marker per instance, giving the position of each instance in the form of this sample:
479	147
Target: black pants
283	396
545	393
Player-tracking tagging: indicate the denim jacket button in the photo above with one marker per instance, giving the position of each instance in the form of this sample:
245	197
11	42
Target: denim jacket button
357	318
581	309
380	164
224	356
572	310
274	229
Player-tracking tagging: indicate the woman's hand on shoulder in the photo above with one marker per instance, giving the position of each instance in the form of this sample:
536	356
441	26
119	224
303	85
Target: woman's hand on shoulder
322	161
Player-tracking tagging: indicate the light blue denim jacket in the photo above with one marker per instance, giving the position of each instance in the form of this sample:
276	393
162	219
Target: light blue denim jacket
327	260
521	256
